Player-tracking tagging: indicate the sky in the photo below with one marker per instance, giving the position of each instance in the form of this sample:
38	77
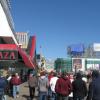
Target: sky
58	23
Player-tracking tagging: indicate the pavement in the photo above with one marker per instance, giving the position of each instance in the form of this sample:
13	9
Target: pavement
24	93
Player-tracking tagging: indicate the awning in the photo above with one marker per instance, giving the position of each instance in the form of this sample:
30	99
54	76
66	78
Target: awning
13	51
8	47
8	52
27	59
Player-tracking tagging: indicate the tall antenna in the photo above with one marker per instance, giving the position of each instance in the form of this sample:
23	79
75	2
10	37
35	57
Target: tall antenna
40	51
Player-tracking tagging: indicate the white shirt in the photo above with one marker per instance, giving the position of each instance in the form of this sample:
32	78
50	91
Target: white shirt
53	83
84	79
9	78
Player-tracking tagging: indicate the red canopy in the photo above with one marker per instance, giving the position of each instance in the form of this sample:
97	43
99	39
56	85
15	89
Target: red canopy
26	58
8	47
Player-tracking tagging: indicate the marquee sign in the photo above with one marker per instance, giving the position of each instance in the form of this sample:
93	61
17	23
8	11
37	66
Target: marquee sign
8	55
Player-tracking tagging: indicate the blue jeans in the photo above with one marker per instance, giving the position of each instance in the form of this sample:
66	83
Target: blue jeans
2	94
42	95
49	91
3	97
54	96
15	90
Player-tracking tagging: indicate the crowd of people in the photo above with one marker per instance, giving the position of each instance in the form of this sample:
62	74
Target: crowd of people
60	86
9	86
54	86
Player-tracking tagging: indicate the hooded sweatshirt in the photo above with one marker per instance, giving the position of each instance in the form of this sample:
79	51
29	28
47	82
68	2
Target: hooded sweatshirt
43	84
63	86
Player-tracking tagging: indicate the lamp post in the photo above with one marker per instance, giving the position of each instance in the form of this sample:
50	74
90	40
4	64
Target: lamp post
75	69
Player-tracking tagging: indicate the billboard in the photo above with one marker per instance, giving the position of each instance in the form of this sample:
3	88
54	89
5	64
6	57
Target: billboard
77	48
96	46
77	63
8	55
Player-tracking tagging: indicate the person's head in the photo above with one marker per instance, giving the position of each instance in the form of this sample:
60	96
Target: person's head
16	74
42	73
64	74
95	74
78	76
31	75
55	74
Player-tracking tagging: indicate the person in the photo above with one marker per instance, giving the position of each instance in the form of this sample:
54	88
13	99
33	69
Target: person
11	85
3	85
16	81
49	88
32	82
52	85
71	77
43	85
94	86
79	88
63	87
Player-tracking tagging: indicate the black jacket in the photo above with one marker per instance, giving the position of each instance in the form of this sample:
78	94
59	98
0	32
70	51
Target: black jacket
79	88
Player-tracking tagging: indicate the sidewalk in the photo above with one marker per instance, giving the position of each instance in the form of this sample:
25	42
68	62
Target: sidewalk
24	93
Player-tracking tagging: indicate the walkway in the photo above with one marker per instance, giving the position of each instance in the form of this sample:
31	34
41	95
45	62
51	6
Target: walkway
24	93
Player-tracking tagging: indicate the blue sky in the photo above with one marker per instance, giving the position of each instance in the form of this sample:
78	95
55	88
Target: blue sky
58	23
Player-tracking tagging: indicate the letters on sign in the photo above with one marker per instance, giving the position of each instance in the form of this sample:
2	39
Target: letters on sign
8	55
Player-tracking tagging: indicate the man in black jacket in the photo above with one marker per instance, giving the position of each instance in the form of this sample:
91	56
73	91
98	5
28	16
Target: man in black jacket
79	88
94	87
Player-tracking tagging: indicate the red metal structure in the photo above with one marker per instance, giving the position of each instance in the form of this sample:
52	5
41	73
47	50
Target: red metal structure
7	52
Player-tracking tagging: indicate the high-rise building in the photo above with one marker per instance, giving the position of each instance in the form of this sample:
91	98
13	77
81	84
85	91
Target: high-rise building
23	38
7	33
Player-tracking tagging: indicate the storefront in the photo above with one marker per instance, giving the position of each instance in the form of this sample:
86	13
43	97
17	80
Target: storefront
13	58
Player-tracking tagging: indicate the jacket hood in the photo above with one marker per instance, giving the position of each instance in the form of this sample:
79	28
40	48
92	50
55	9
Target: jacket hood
65	78
42	77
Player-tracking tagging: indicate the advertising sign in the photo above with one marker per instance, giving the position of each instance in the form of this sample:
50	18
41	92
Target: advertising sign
77	48
77	63
96	46
8	55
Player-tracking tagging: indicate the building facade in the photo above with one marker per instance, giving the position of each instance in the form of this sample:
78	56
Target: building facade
11	54
23	39
7	34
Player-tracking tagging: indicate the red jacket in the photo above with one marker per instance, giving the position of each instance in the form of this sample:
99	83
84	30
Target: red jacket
63	86
15	80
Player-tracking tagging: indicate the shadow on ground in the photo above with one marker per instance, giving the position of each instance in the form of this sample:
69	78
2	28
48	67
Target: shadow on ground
26	86
26	97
